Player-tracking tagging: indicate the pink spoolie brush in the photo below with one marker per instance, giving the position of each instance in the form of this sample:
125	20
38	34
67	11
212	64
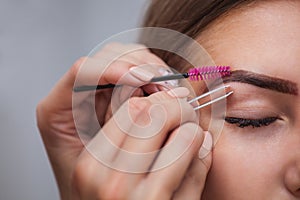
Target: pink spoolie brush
194	74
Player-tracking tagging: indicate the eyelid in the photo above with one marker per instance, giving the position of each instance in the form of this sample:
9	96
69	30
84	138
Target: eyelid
254	113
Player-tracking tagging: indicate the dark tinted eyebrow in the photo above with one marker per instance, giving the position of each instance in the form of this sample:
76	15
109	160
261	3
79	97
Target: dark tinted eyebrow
262	81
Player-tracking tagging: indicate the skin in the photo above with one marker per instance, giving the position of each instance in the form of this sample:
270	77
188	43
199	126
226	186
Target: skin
80	174
258	163
249	163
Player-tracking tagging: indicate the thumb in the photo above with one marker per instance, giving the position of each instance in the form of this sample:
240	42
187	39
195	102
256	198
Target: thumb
205	157
195	178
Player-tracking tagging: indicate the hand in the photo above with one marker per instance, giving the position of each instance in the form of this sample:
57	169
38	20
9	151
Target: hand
106	171
55	112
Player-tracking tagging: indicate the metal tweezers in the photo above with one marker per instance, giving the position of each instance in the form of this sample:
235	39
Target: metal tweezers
213	100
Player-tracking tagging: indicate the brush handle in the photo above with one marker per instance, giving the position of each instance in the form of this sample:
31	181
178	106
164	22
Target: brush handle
195	74
155	79
92	87
170	77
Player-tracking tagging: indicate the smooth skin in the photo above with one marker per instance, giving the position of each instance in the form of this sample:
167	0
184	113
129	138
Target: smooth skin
258	163
80	175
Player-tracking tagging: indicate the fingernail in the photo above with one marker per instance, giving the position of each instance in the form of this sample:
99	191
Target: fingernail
180	92
141	74
206	146
166	72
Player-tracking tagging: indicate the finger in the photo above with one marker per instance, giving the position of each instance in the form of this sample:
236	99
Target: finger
136	54
106	67
140	55
110	111
152	122
92	71
162	85
88	74
173	161
102	106
112	135
151	126
105	146
99	154
194	181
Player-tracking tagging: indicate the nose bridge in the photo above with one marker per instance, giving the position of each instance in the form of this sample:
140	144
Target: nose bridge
296	140
294	149
296	124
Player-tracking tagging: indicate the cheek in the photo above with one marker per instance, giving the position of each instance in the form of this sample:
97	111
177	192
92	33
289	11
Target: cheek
241	167
230	168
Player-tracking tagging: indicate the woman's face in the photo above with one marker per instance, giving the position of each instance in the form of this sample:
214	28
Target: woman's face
258	153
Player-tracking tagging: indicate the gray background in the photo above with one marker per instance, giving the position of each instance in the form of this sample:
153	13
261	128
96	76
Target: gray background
39	41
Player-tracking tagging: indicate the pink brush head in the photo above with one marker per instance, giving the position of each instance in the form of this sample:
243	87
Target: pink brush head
209	72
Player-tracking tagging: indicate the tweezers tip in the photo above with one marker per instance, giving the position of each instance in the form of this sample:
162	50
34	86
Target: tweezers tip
230	93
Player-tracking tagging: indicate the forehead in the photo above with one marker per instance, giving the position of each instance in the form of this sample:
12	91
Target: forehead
263	37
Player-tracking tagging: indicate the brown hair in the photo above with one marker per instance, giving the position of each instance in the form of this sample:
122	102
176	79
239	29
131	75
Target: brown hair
189	17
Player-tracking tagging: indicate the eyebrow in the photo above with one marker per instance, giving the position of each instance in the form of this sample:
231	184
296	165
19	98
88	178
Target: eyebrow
262	81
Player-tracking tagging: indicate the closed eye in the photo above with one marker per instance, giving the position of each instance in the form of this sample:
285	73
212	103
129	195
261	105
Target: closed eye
255	123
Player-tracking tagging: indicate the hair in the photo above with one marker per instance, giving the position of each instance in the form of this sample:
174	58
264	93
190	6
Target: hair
190	17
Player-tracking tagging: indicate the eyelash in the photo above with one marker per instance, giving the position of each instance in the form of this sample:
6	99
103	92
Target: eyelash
255	123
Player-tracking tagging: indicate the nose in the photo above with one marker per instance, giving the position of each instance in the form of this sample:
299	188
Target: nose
292	173
292	179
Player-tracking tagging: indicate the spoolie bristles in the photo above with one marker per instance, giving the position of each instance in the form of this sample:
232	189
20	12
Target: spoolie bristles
209	72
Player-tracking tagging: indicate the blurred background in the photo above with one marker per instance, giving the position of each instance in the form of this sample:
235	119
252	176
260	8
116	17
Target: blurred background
39	41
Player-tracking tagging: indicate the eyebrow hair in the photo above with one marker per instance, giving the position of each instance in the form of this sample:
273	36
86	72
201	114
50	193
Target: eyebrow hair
262	81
